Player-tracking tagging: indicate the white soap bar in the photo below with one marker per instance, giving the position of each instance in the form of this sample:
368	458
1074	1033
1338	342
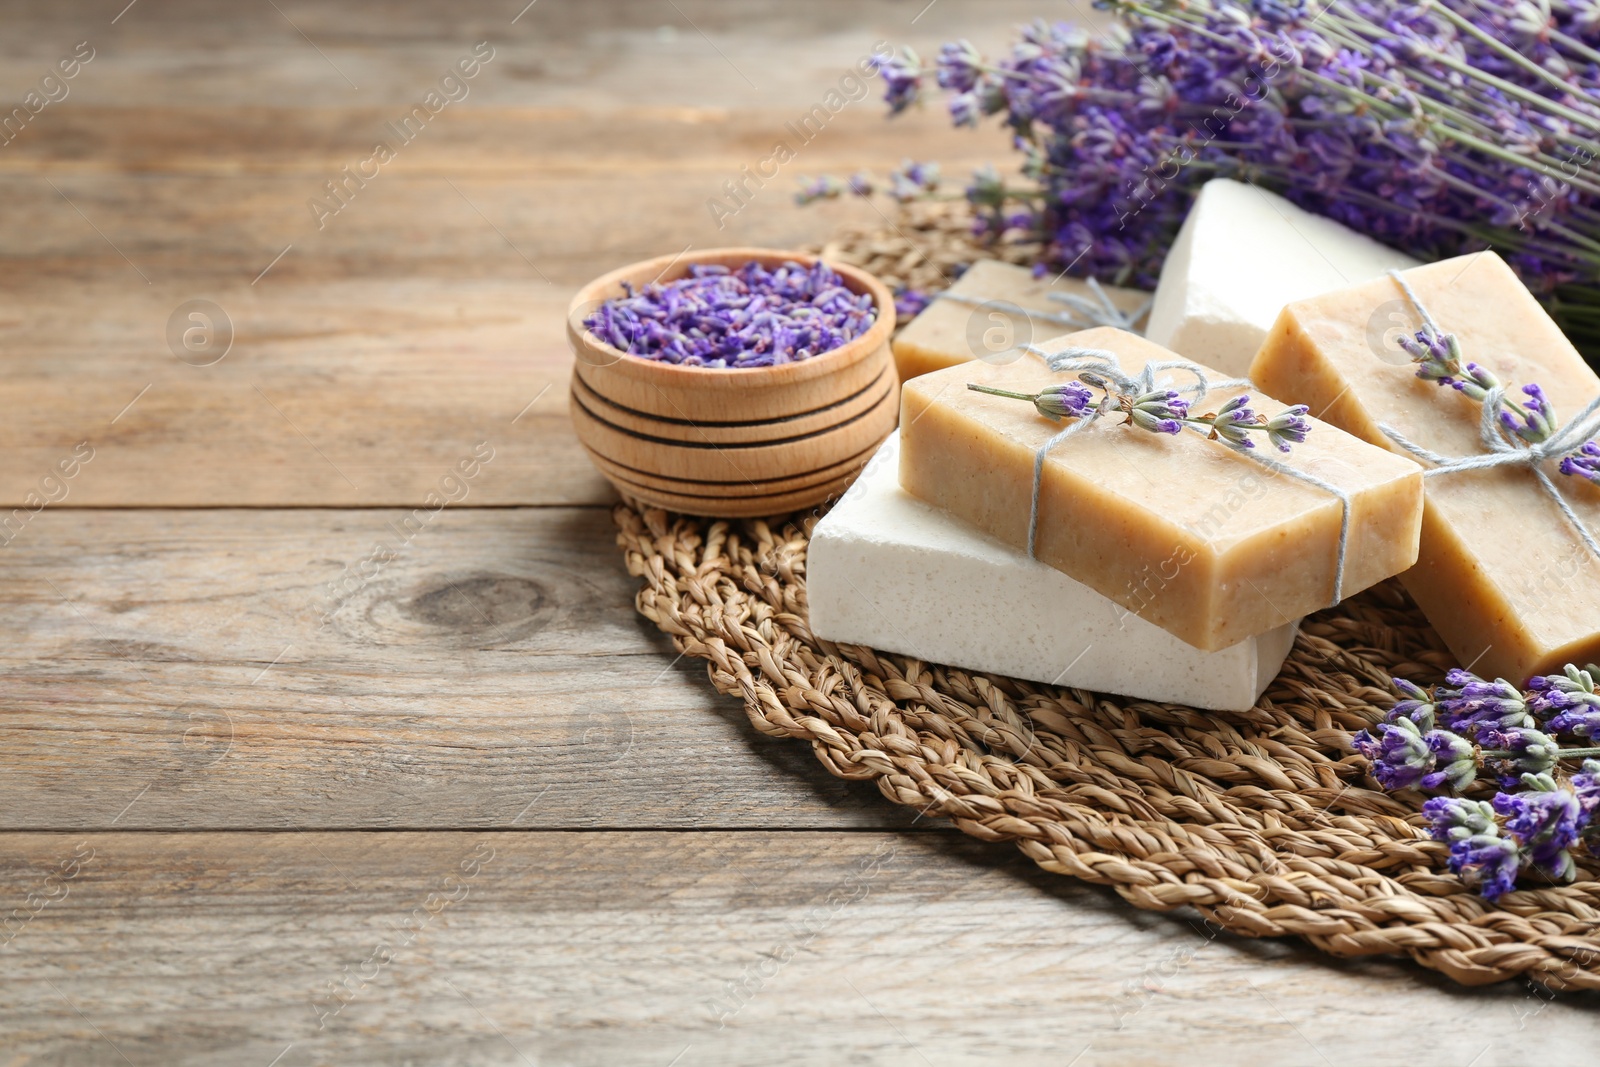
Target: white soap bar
1241	255
889	571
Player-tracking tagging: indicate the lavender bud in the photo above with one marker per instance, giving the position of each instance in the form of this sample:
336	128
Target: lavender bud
902	79
1071	400
1530	752
1467	701
1454	818
1289	426
1159	412
1583	463
1455	762
1487	861
1399	753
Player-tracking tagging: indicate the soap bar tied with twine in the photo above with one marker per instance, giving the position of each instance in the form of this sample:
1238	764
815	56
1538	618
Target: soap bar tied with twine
1159	407
1512	434
1082	313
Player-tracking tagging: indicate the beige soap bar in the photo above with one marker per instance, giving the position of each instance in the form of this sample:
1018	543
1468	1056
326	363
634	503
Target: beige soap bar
988	312
1501	574
1182	531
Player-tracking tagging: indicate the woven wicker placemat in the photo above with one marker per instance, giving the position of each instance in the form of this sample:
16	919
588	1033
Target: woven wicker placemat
1263	821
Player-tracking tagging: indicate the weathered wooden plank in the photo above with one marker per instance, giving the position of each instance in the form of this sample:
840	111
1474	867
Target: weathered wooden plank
240	669
335	393
616	54
521	141
714	948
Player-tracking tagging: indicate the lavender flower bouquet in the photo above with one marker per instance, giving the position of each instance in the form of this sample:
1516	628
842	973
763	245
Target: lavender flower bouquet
1446	738
1439	127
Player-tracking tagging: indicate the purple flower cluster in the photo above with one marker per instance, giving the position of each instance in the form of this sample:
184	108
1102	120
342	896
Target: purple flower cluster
1533	421
1439	739
1439	128
749	317
1164	411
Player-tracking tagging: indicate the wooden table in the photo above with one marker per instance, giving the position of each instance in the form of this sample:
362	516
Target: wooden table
300	769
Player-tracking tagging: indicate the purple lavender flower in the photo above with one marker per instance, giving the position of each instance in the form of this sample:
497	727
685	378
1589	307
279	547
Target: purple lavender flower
860	184
1231	421
1586	787
1289	426
1488	861
1071	400
749	317
1476	381
902	78
966	109
1348	110
1159	412
823	188
1467	701
1455	818
1455	762
1583	463
1538	423
1545	822
1582	720
1515	751
1399	753
1437	355
1568	701
960	66
908	303
1417	705
1548	693
913	180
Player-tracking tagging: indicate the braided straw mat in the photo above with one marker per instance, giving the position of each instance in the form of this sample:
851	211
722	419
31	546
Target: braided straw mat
1265	822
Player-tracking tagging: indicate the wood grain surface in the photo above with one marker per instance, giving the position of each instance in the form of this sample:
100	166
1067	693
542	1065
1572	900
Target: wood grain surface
653	949
328	734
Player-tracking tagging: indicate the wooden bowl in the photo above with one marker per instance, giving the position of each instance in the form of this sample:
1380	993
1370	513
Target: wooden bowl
747	442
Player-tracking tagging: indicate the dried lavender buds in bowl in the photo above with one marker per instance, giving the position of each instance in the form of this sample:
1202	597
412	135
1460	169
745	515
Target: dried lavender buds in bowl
720	317
733	381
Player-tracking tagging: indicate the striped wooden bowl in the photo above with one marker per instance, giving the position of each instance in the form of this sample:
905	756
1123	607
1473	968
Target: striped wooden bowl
735	443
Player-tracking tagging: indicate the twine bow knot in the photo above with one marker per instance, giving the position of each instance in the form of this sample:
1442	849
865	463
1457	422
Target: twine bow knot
1500	448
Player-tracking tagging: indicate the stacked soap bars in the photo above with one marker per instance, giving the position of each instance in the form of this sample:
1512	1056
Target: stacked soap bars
1165	566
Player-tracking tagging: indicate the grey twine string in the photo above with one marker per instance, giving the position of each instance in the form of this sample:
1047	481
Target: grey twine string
1082	312
1502	449
1106	364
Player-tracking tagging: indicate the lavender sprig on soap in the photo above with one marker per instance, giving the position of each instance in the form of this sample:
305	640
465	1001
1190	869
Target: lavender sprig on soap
749	317
1438	359
1164	411
1469	730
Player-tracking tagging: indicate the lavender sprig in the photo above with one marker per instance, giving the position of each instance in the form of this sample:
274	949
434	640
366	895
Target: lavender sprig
1438	359
1441	128
1539	817
1164	411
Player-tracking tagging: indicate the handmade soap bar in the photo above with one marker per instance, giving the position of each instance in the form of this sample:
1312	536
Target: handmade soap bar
1188	534
989	311
887	570
1241	255
1502	575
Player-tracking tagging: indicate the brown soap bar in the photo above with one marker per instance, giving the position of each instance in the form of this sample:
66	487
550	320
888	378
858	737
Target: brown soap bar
1184	532
988	312
1501	574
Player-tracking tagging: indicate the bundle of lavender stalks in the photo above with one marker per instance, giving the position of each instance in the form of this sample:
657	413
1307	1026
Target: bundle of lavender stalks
1439	127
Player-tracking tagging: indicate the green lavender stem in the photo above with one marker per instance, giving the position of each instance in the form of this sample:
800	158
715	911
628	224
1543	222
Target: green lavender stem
1029	397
